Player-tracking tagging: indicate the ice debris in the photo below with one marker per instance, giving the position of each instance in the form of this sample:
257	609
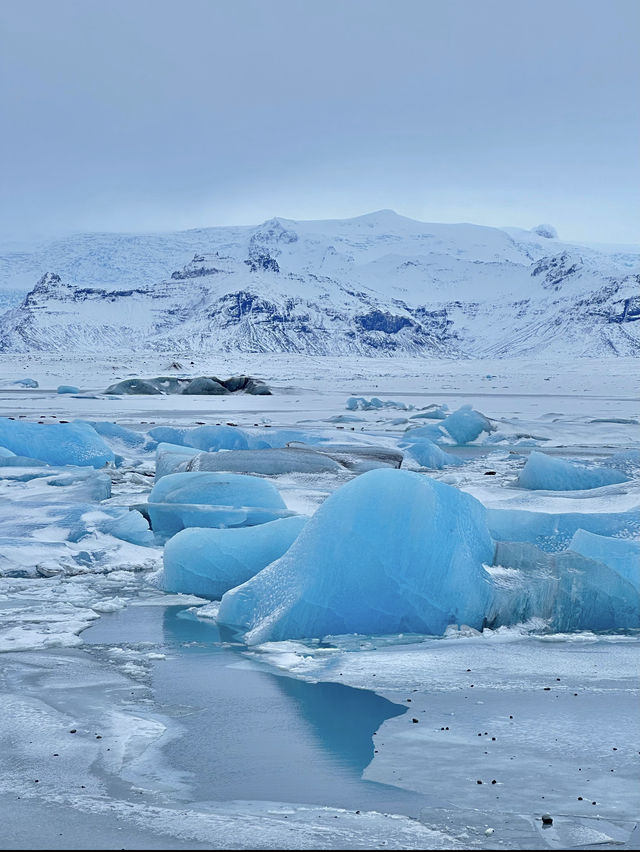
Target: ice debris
56	443
359	403
209	562
427	454
546	473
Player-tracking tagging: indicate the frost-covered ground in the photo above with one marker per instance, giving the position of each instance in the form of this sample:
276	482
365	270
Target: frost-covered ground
162	756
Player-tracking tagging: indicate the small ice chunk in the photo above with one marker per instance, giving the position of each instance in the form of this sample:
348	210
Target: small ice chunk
546	473
56	443
26	383
68	389
389	552
427	454
209	562
466	424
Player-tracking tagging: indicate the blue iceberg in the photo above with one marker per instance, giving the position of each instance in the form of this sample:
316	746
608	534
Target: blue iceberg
567	590
620	554
56	443
428	454
128	437
466	424
553	531
209	562
204	499
68	389
391	551
546	473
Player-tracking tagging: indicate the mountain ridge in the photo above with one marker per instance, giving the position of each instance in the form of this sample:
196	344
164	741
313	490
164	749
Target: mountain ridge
374	284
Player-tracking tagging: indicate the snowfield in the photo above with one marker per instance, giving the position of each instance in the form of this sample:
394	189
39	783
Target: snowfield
134	717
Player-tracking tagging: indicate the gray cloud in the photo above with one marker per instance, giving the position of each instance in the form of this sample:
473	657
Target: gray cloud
156	115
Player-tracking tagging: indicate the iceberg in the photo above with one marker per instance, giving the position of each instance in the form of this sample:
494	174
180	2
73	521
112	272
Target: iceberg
107	429
267	462
391	551
209	562
569	591
431	432
427	454
67	389
56	443
543	472
553	531
466	424
432	412
170	458
204	499
26	383
359	403
619	554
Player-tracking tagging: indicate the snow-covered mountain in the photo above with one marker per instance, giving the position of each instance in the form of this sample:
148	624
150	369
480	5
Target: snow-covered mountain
376	284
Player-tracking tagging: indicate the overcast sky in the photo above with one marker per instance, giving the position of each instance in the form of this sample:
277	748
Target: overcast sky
138	115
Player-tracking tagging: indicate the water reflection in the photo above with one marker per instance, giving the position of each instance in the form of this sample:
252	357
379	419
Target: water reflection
248	733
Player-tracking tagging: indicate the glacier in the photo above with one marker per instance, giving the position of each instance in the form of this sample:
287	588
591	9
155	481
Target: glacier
209	562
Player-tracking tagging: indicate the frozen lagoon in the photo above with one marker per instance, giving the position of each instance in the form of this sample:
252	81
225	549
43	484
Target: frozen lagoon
457	810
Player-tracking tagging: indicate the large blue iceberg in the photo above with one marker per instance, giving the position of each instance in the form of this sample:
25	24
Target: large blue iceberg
209	562
204	499
56	443
543	472
391	551
395	551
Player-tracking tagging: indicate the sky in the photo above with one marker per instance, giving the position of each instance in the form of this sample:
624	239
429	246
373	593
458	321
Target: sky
157	115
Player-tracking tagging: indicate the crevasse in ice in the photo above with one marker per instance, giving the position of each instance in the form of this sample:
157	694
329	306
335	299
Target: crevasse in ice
543	472
209	562
56	443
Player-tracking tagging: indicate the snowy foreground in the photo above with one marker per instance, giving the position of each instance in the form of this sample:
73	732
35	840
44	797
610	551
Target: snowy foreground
136	717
